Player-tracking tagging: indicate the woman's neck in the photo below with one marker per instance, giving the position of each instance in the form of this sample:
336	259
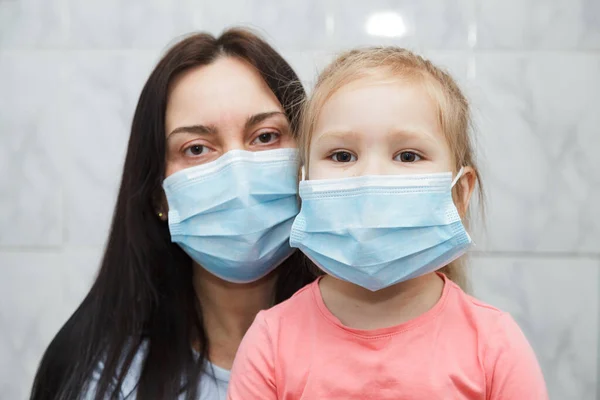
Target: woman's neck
360	308
228	310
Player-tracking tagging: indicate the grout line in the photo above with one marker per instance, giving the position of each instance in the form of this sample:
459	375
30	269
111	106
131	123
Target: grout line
535	254
538	52
59	249
54	51
32	249
65	246
598	342
160	49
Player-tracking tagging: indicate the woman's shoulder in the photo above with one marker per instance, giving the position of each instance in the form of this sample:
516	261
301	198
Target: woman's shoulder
130	380
213	381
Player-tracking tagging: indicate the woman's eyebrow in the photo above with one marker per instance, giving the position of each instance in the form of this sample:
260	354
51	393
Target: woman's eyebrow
197	129
212	129
260	117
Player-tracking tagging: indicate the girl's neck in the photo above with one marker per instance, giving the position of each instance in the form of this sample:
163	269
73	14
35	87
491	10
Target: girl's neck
359	308
228	310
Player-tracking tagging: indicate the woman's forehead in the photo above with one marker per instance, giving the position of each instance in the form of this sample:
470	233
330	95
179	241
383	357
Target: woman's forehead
227	89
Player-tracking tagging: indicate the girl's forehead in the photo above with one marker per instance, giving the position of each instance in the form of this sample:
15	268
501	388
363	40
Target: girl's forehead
368	102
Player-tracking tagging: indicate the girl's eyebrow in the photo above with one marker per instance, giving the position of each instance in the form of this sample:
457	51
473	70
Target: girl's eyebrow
412	134
338	135
404	134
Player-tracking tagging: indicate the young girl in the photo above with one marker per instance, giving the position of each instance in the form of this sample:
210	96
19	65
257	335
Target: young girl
389	174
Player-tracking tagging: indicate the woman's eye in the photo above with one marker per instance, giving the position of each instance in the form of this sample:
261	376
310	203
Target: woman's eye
343	157
196	150
266	138
408	157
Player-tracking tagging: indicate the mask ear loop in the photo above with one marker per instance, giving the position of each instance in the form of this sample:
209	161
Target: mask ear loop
302	173
458	176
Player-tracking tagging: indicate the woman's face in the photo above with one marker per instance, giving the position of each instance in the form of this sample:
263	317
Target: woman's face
221	107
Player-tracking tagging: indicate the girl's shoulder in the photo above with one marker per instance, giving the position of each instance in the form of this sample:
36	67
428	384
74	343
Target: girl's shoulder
510	364
301	297
471	306
497	328
295	308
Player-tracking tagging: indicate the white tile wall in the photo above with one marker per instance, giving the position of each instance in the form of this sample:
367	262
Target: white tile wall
101	95
39	291
293	25
31	191
71	72
132	24
538	133
555	301
30	24
429	24
539	24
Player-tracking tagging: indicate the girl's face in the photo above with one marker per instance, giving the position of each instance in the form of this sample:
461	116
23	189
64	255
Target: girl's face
378	127
221	107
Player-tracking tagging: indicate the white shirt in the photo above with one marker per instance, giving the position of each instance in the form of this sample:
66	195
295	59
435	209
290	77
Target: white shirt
212	386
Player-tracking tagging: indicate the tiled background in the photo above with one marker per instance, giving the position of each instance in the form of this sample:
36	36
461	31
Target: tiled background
71	72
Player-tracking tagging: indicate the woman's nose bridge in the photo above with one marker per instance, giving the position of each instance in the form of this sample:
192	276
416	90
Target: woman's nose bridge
233	139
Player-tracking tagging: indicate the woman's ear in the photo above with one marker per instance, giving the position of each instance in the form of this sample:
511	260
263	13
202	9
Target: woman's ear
161	206
464	189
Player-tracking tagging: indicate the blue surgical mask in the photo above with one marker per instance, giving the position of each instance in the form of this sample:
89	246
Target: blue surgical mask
233	216
376	231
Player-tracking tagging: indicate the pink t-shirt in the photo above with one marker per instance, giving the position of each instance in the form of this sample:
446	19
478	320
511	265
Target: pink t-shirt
460	349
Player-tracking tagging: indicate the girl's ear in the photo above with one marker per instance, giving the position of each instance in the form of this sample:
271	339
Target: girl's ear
464	189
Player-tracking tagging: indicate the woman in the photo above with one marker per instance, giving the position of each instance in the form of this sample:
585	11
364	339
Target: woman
168	309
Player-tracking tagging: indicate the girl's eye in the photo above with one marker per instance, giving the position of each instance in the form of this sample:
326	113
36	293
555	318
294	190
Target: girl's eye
343	157
196	150
266	138
407	157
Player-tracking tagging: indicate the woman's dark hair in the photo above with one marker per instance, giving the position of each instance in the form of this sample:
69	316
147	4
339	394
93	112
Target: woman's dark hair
143	292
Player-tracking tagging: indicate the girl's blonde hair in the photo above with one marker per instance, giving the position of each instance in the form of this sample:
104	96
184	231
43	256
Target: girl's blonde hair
398	63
